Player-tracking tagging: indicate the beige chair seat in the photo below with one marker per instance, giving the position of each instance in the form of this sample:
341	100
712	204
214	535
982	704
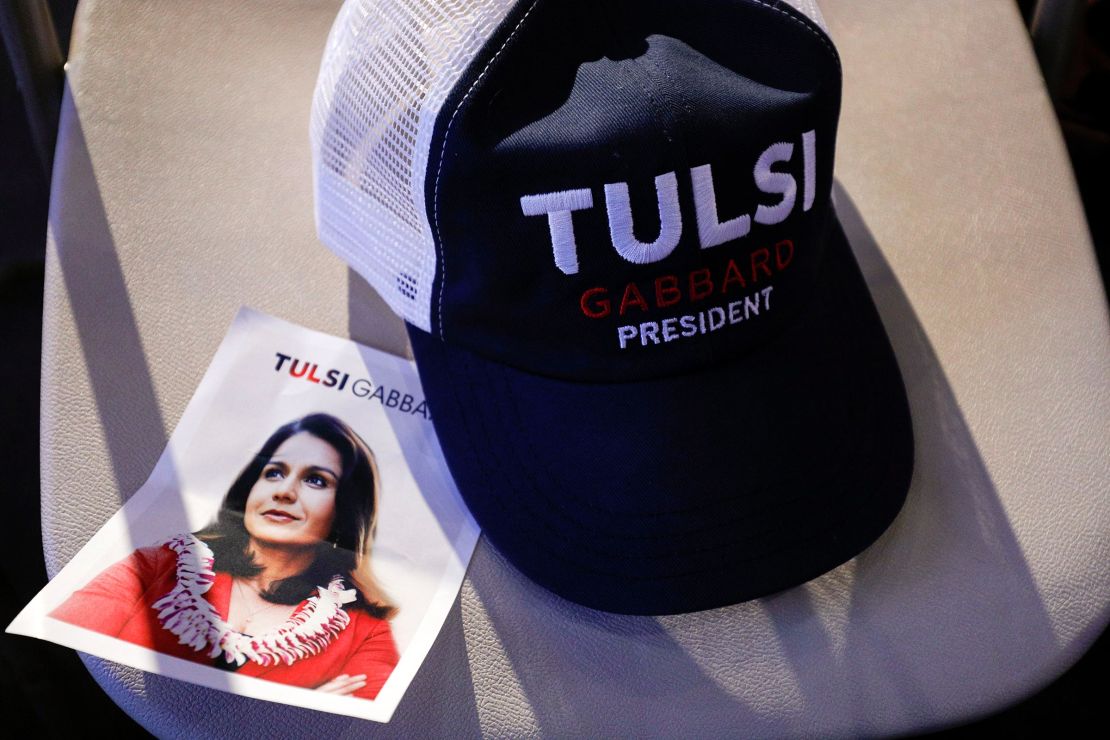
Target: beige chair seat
183	190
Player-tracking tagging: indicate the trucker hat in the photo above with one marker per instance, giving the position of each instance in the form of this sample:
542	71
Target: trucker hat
655	370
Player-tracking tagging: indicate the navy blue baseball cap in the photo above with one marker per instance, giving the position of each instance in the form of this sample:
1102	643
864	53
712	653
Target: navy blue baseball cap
656	372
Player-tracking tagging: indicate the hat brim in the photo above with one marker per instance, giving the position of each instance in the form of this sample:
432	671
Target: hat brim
694	491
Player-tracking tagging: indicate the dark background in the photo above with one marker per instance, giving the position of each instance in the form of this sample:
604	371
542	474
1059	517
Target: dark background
45	688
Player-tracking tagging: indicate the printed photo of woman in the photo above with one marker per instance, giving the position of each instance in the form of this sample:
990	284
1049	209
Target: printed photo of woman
279	586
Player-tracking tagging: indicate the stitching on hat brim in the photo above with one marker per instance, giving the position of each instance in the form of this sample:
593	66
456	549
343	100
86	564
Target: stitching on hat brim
713	523
591	567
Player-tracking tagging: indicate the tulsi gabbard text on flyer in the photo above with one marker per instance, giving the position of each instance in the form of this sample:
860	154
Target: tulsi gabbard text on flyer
345	382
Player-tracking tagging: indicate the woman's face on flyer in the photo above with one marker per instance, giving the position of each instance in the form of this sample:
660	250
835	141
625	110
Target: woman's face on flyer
292	503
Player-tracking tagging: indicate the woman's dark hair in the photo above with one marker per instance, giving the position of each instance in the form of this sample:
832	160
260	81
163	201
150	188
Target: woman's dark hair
346	551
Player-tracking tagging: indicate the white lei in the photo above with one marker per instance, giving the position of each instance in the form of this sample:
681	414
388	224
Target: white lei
185	612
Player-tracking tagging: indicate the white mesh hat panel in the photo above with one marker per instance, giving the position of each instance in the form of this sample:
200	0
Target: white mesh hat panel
387	68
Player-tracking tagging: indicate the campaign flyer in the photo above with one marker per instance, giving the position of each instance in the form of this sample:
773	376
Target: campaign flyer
300	539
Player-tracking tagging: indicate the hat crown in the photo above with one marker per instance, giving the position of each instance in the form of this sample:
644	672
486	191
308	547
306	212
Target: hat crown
624	191
388	69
